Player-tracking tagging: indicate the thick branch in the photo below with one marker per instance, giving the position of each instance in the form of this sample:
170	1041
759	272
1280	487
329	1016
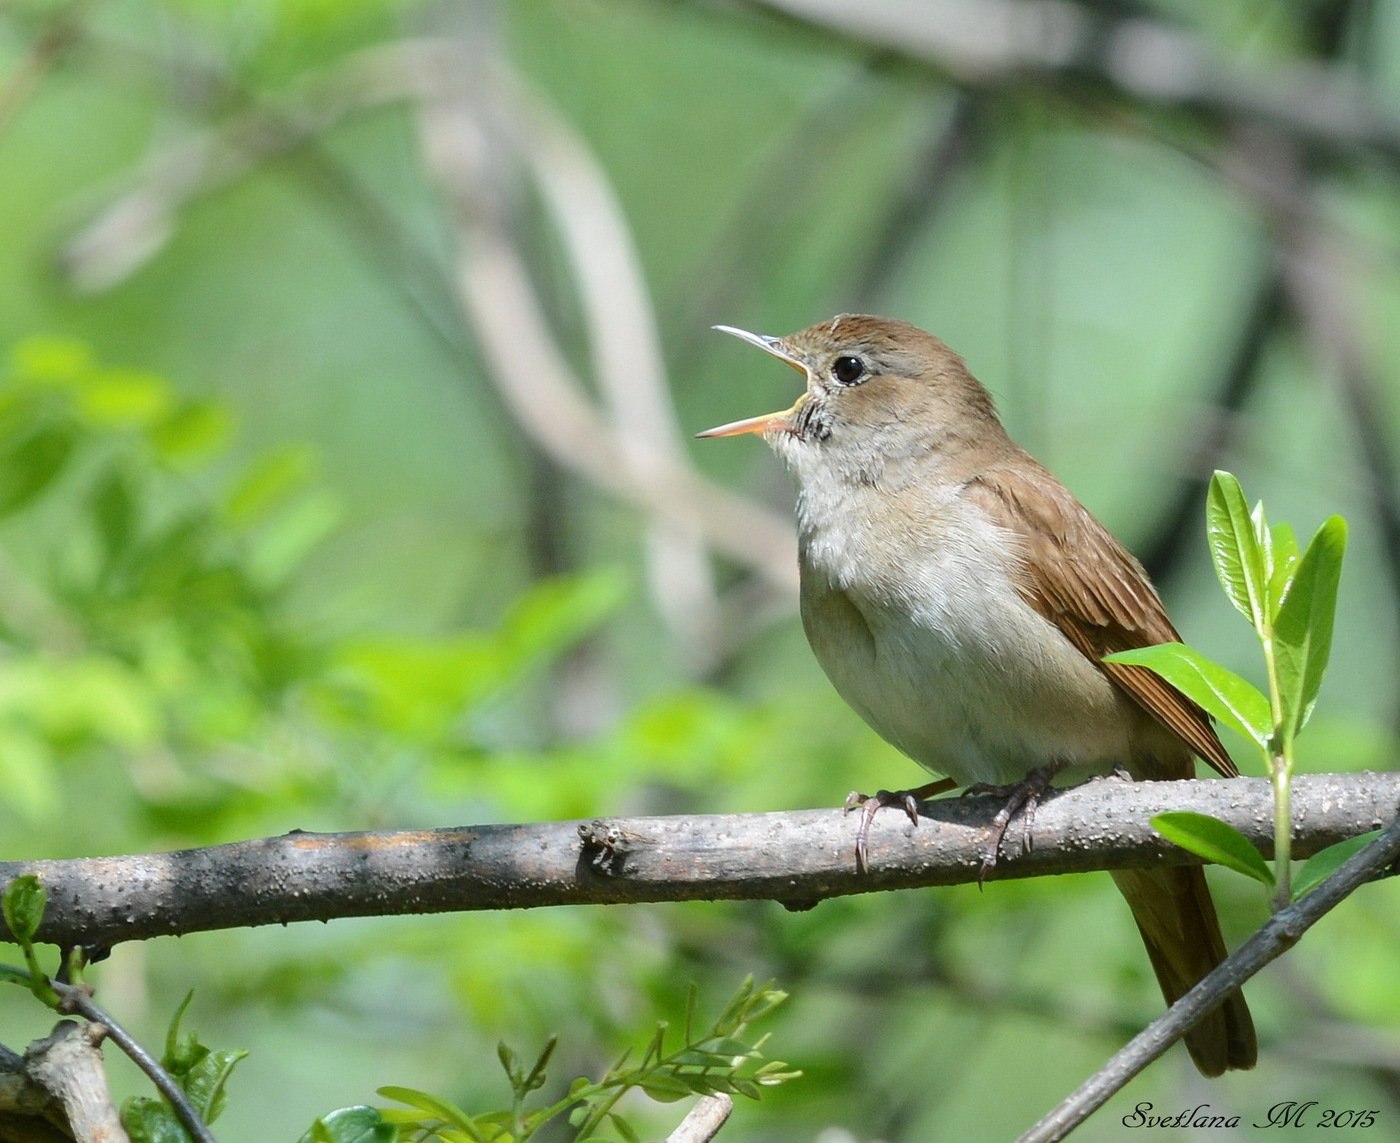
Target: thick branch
797	857
1147	62
62	1076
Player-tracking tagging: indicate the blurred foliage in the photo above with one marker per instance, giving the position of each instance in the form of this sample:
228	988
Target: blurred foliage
274	555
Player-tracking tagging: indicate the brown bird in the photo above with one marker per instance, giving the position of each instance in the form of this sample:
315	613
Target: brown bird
961	600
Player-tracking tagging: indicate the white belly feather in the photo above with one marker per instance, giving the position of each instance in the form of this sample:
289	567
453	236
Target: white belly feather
928	639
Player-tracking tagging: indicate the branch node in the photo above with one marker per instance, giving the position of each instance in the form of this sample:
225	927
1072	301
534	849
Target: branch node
605	847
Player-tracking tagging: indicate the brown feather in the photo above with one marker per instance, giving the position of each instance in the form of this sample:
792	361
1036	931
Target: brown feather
1085	582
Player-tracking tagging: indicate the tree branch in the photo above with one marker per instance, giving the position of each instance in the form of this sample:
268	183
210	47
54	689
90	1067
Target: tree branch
1279	934
60	1087
797	857
990	43
78	998
704	1119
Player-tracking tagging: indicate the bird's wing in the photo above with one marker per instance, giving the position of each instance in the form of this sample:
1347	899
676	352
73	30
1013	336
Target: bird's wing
1085	582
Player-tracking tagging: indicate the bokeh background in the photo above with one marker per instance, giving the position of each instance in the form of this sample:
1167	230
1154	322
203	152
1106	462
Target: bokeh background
352	353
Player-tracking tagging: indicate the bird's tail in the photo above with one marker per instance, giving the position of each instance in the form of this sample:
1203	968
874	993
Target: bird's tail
1177	920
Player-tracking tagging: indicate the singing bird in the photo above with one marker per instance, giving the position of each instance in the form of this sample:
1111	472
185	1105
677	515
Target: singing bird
961	599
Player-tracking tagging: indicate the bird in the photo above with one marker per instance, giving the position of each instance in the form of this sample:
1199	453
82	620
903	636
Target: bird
961	599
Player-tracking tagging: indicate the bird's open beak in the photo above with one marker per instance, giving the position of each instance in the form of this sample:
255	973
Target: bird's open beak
774	348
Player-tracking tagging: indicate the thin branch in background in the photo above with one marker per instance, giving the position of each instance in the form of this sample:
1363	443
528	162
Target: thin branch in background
1322	288
948	147
137	224
1277	935
1317	276
1211	439
556	414
996	43
58	33
775	200
463	139
1121	70
1326	1038
627	362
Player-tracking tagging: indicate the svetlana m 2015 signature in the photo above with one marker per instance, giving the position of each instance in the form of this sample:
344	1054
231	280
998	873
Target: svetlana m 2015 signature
1289	1113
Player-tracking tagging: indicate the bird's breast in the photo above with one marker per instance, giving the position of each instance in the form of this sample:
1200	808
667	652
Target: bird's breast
917	620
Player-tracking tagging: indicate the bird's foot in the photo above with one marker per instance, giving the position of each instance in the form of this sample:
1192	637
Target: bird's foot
872	804
1020	798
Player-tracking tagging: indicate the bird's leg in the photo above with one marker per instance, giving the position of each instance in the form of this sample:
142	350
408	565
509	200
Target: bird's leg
872	804
1020	797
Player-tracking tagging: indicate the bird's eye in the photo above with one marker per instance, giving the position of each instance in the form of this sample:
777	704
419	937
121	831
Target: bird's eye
848	370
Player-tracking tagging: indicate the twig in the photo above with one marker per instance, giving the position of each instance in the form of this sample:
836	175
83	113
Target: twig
704	1120
1277	935
66	1067
799	857
78	999
531	371
1214	433
627	363
59	33
931	174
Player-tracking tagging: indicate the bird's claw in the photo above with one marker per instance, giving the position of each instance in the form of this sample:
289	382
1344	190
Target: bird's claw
1021	797
872	804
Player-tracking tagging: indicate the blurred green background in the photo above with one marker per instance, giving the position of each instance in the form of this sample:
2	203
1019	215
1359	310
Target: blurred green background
352	353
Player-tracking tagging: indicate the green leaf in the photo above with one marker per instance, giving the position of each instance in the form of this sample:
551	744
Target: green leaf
1235	549
283	541
510	1061
114	512
30	465
1303	628
351	1125
1239	704
207	1081
746	1087
24	902
625	1130
735	1012
269	481
1264	537
665	1088
52	360
193	431
122	398
1284	546
556	613
181	1053
1214	840
536	1078
1325	862
443	1109
150	1121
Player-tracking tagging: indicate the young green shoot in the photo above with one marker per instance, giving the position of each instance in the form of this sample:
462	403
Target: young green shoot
1290	599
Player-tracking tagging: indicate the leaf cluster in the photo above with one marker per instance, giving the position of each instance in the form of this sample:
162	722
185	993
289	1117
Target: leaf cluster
1290	599
152	612
722	1057
201	1072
